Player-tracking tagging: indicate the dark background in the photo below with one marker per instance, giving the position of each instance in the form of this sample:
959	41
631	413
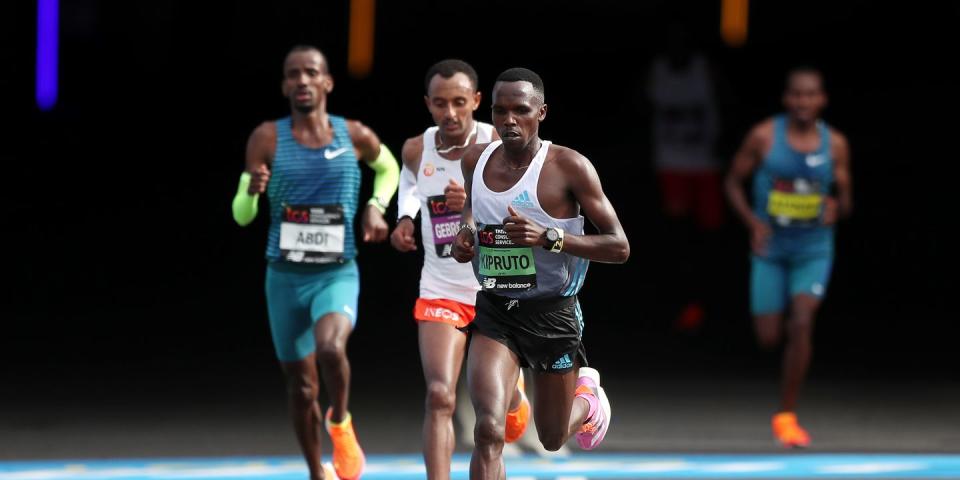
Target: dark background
123	262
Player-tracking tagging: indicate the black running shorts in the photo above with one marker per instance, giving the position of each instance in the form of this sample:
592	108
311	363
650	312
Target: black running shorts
544	333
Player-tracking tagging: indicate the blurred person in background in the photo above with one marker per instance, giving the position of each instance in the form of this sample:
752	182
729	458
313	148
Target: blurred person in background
681	94
801	187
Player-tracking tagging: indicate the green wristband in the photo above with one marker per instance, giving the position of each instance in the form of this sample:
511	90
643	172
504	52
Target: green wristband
244	204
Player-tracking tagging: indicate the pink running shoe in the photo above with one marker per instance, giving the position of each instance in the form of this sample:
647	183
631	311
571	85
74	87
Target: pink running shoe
594	428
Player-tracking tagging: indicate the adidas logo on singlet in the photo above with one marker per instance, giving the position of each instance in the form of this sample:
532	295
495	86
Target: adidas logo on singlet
523	200
563	362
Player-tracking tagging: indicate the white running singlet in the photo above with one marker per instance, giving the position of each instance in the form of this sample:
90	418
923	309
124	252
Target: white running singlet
510	270
442	276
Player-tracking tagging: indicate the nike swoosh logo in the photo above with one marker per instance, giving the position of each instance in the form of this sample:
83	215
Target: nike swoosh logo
331	154
816	160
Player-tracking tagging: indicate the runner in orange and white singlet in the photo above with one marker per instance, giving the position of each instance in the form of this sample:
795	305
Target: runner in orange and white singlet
432	185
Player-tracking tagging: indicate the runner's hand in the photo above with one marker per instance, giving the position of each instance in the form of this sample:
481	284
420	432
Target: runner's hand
830	211
522	230
760	234
402	237
258	180
463	246
375	228
456	196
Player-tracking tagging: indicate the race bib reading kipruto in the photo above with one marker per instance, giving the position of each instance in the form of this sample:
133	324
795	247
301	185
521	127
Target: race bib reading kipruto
312	234
795	203
504	266
444	223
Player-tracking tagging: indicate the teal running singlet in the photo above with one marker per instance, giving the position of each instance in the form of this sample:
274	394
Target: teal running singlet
313	196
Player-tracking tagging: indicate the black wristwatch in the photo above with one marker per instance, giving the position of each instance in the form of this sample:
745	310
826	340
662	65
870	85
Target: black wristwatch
554	239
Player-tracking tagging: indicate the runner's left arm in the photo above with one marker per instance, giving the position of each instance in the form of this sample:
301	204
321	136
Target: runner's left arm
387	176
843	181
610	245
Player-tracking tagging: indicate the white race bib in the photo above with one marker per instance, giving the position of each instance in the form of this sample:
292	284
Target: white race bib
312	234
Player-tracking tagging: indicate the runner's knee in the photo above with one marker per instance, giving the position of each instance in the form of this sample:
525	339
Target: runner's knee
331	352
488	432
768	331
800	329
441	398
301	390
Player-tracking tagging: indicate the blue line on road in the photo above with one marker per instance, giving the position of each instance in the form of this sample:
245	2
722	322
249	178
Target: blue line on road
580	466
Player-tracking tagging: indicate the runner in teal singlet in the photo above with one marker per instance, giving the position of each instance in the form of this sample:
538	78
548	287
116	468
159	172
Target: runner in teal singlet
801	185
307	164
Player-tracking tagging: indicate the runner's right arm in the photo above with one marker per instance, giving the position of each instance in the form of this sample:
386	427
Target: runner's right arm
745	161
256	175
463	245
408	205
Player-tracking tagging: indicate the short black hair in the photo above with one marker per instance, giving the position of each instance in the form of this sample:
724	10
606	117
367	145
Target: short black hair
520	74
448	68
804	70
308	48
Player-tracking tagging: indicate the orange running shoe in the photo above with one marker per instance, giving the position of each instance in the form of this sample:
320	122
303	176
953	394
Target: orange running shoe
788	432
518	419
348	458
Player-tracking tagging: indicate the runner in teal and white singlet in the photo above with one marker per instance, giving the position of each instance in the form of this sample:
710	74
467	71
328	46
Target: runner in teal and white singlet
307	164
801	186
523	231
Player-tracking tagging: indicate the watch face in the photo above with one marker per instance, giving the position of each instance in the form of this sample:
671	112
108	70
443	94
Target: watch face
552	235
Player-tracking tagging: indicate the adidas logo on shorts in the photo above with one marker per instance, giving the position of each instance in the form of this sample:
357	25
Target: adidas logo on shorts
563	362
